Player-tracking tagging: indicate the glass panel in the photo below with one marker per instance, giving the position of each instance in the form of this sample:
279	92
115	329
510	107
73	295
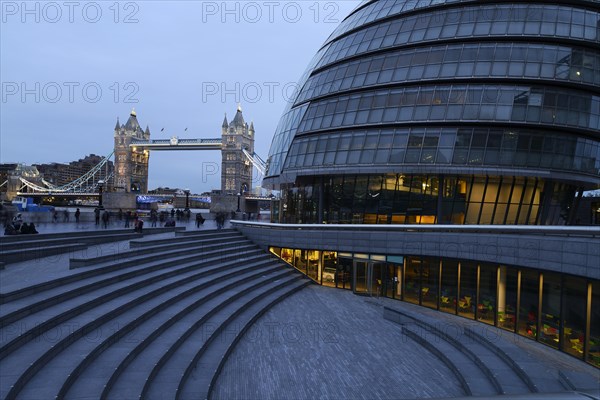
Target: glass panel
412	280
430	270
330	265
574	315
488	275
550	328
507	297
449	286
468	289
528	311
594	340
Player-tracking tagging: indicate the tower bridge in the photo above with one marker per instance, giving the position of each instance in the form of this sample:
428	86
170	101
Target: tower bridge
132	148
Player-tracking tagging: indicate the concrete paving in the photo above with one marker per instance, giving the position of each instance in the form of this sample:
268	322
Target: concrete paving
329	343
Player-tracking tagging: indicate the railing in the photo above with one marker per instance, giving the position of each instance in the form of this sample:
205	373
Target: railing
586	231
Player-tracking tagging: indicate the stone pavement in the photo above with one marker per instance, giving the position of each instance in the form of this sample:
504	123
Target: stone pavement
329	343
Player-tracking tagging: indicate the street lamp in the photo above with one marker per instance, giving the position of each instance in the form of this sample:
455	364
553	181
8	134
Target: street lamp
100	187
239	195
187	199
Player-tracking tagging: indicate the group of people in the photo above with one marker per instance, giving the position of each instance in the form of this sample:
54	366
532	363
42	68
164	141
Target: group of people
18	227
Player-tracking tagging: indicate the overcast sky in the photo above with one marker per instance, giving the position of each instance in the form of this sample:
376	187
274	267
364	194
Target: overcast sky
69	69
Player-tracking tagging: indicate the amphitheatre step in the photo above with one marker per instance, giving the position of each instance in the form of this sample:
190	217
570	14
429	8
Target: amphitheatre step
475	382
175	247
93	374
131	376
61	366
165	376
87	239
209	232
516	371
31	324
84	232
39	251
110	270
199	384
186	239
36	353
530	371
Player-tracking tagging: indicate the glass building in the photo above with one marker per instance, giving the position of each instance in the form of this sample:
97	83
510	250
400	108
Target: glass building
450	112
445	112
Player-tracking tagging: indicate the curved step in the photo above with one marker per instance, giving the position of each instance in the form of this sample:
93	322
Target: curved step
109	267
441	356
43	299
113	309
499	370
215	356
84	379
145	251
186	239
126	323
135	370
164	377
12	338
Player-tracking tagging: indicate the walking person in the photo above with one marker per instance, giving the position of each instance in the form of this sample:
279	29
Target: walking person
105	218
120	214
97	215
199	220
153	218
66	215
127	218
77	215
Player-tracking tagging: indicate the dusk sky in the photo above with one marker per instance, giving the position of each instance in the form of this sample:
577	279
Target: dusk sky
69	69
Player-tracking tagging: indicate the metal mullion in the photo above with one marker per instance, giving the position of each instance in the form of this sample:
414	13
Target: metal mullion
512	189
531	201
521	201
487	179
469	198
496	202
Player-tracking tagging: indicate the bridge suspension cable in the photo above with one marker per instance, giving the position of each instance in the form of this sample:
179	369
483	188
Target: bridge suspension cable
77	183
256	161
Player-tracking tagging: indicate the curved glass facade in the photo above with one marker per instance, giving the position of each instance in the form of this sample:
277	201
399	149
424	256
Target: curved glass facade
499	100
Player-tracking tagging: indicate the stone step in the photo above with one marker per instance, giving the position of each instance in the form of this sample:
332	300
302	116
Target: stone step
166	374
130	340
83	233
36	354
199	384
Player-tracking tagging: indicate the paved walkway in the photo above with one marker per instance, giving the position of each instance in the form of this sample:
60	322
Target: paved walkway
329	343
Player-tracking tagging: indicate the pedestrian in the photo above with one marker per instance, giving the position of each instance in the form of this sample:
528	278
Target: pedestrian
199	220
55	216
105	218
153	218
127	218
97	215
77	215
66	215
120	214
172	213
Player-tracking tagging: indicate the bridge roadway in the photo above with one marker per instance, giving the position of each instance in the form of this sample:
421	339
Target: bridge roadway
178	144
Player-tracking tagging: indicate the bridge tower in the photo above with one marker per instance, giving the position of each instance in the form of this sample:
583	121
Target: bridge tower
131	164
236	169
